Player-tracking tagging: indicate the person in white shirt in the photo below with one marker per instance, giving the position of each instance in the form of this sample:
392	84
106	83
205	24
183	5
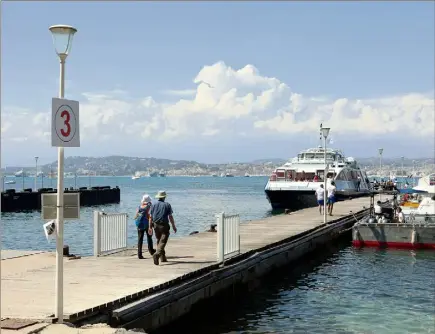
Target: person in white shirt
400	216
378	208
320	195
378	211
331	197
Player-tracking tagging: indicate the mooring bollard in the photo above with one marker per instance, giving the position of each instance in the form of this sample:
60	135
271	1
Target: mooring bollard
65	250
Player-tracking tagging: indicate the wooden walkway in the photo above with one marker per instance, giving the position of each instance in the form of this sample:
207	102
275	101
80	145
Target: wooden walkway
28	281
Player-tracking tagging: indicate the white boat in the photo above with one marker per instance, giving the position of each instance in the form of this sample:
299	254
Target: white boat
425	207
247	174
293	185
10	182
135	177
426	184
21	173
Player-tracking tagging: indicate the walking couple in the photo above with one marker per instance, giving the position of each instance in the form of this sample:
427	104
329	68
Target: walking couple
157	216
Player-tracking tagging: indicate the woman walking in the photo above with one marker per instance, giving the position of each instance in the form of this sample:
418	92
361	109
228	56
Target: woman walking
142	223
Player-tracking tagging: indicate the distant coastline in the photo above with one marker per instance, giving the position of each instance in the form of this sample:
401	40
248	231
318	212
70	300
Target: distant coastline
129	166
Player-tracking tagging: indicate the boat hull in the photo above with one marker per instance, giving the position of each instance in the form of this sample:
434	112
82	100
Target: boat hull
301	199
408	236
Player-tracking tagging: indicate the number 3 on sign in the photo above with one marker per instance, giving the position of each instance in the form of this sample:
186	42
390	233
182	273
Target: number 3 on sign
65	130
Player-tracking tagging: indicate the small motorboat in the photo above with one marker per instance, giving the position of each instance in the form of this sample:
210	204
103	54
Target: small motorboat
134	177
10	182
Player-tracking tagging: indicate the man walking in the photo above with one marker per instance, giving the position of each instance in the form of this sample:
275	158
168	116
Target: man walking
320	195
331	197
161	215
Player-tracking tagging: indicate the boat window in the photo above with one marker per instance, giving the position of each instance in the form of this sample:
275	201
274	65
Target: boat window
341	176
290	174
309	156
304	176
280	173
432	180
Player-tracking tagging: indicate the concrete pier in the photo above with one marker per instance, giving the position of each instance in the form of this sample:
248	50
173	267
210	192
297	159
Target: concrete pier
127	292
12	201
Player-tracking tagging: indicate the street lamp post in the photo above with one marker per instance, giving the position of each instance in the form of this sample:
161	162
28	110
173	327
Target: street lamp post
36	173
380	150
403	169
325	133
62	40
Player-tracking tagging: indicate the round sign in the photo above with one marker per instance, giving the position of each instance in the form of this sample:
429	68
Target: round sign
65	123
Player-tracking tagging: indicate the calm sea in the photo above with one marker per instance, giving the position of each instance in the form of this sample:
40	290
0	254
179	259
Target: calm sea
195	201
343	291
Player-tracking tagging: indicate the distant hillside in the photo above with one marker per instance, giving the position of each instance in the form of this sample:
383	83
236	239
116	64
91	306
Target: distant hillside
123	165
273	161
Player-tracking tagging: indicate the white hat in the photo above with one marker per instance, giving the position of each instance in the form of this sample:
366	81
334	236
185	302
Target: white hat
146	198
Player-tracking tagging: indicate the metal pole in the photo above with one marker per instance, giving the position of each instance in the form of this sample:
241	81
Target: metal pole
59	229
42	180
403	169
36	175
380	174
324	181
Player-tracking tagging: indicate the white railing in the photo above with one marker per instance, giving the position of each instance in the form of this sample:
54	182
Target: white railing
110	232
228	236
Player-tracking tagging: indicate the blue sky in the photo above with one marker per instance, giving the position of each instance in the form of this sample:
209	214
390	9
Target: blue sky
358	51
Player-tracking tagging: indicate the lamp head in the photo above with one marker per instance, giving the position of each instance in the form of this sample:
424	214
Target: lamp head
381	150
62	38
325	132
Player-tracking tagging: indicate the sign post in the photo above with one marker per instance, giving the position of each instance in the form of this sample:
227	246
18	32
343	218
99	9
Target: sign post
65	132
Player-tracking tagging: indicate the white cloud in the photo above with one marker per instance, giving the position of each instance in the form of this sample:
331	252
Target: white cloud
180	92
239	103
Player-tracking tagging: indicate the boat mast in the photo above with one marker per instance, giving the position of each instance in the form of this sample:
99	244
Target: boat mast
320	135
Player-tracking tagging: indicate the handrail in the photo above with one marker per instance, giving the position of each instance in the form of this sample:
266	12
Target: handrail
110	232
228	236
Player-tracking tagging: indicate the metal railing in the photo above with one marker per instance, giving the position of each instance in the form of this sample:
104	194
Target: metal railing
110	232
228	236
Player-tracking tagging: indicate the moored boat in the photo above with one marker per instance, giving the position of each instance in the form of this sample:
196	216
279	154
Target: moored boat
384	230
293	185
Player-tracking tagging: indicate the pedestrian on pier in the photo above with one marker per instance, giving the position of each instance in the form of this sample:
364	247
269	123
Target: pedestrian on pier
142	223
320	195
331	197
160	217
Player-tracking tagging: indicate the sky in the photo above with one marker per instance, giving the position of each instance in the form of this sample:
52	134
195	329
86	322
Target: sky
221	81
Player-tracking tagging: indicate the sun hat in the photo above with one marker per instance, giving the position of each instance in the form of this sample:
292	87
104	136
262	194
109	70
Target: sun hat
146	198
161	194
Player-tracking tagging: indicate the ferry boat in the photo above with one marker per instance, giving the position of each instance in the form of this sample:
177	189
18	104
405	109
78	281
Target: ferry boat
293	185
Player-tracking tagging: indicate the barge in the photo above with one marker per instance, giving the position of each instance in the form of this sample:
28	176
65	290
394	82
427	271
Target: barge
28	200
417	231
